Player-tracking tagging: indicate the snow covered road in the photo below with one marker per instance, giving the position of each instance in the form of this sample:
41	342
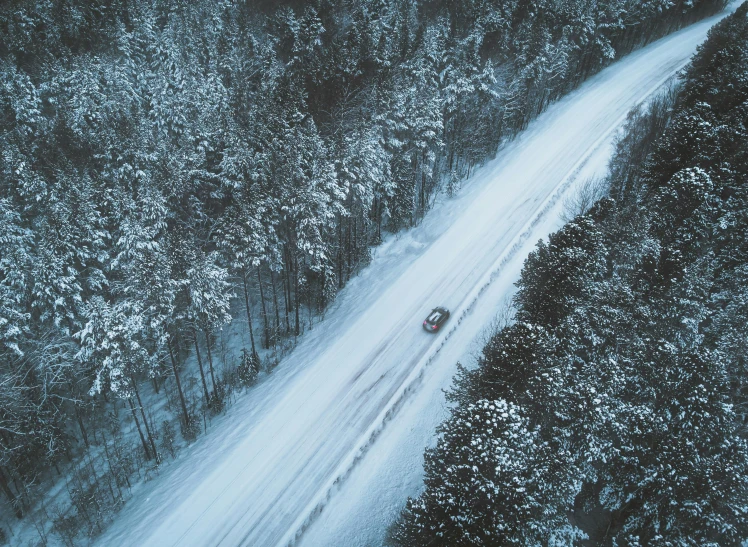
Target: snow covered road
276	454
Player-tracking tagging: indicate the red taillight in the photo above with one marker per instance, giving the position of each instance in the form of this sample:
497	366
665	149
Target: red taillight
433	327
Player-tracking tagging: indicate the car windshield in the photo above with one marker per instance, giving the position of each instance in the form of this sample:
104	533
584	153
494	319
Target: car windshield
434	317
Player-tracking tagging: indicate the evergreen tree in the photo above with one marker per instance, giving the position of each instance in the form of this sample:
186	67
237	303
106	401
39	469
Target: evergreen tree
487	484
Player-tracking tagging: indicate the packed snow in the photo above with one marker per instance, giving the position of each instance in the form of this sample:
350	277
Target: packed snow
327	448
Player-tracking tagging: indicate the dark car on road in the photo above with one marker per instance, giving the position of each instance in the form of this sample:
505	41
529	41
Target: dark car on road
436	319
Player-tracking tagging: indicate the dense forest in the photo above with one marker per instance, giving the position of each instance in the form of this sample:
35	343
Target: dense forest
613	410
166	165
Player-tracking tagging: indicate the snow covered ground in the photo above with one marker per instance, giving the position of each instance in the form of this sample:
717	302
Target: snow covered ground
328	447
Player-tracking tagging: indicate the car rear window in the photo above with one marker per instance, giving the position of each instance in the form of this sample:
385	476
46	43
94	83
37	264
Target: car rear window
434	317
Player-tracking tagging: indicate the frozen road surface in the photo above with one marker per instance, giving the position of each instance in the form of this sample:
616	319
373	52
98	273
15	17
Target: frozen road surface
274	459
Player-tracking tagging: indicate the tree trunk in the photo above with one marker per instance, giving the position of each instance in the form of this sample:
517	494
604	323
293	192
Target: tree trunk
179	383
287	294
249	316
145	420
289	272
210	361
421	191
341	219
264	309
275	305
296	296
140	431
348	249
111	469
80	424
11	496
379	221
181	346
200	366
355	256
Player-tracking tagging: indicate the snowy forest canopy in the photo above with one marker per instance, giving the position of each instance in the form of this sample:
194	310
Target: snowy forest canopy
159	158
614	409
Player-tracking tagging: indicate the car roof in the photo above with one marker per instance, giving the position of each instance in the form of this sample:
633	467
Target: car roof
436	314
